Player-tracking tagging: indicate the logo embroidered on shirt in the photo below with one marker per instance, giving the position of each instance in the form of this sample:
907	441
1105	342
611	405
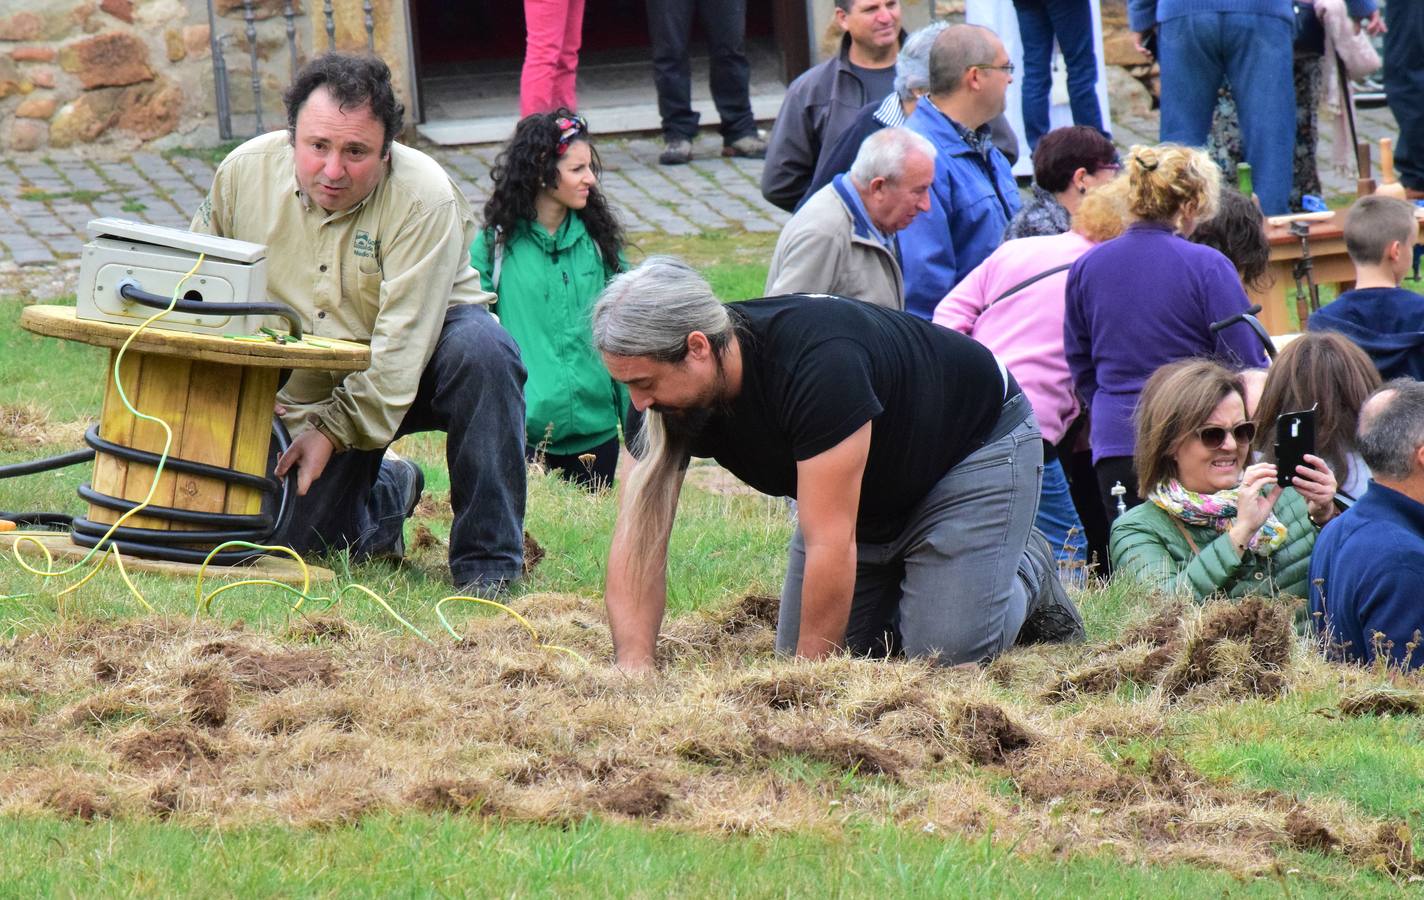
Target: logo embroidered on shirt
365	246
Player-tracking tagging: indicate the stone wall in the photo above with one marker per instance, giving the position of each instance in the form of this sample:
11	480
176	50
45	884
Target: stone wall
119	73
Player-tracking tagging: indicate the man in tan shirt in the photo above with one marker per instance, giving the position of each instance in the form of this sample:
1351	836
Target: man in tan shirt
369	241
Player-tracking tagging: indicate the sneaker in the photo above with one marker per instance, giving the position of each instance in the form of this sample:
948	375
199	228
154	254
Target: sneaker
1052	617
676	152
412	482
750	147
485	588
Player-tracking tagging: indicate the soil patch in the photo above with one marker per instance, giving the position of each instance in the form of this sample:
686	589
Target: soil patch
643	796
208	699
989	735
533	553
165	747
846	752
263	671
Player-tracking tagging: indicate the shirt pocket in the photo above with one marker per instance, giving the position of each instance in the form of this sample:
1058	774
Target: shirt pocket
368	282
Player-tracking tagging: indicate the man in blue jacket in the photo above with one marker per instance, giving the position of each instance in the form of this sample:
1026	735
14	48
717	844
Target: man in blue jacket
1368	563
974	194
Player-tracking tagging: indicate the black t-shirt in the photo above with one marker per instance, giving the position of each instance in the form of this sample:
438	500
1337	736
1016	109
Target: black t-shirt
879	83
816	368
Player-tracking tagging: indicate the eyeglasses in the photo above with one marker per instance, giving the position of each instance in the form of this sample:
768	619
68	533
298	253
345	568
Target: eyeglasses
1006	68
1213	436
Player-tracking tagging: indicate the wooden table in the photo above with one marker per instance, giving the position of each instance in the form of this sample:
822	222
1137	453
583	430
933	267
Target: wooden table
215	393
1330	265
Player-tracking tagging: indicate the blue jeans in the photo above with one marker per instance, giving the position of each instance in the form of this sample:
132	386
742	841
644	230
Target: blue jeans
1058	518
955	586
473	390
1253	51
1404	86
1071	22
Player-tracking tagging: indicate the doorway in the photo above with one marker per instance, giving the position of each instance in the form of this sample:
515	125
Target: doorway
468	58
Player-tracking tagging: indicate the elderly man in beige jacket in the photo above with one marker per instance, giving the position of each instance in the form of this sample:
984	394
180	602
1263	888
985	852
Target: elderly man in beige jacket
842	241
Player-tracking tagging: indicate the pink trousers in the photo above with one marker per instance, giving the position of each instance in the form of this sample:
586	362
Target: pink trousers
554	31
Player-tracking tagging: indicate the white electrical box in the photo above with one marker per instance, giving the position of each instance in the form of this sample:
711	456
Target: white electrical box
155	258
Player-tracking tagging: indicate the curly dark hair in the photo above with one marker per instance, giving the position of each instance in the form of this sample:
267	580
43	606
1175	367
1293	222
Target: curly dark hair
1239	232
353	80
528	164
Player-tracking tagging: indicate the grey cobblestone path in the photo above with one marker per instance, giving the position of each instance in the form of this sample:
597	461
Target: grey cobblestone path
46	202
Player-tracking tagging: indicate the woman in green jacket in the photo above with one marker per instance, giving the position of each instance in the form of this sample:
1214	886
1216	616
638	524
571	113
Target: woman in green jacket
1211	524
549	245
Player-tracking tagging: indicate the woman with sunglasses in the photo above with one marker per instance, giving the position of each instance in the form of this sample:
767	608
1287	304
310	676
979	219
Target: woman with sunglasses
1211	524
549	245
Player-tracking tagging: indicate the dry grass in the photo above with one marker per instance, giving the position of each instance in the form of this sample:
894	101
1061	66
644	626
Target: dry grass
214	725
28	426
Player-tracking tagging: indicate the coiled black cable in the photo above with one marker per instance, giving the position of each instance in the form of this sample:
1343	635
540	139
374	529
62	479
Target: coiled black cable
155	543
130	290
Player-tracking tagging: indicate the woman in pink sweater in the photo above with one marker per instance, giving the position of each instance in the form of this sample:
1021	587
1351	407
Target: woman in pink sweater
1012	303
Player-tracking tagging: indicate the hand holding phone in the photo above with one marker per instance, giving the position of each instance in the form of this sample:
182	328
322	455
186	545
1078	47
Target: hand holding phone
1295	437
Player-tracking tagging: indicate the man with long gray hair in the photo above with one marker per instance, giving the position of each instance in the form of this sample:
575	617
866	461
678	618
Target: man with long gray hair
1368	562
843	240
911	452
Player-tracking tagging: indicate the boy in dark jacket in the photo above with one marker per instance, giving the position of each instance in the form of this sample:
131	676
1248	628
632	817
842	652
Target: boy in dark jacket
1383	318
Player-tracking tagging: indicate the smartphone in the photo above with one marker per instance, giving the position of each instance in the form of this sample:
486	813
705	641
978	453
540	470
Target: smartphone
1295	437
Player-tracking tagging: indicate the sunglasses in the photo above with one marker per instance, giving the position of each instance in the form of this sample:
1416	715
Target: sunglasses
1213	436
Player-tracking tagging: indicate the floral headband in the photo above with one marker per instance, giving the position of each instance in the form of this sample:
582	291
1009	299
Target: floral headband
569	127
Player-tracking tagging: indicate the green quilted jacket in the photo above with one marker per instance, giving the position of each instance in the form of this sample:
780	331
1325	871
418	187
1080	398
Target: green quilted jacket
1146	545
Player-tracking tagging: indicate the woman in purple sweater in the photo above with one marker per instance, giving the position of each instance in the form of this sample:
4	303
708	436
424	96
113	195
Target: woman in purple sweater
1148	298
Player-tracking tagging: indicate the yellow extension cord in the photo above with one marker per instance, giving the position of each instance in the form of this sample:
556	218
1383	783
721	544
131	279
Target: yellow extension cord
204	601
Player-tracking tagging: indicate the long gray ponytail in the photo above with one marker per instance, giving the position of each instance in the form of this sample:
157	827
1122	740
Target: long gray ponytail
649	312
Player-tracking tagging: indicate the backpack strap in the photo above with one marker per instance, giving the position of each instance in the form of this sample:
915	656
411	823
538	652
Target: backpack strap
497	255
1028	281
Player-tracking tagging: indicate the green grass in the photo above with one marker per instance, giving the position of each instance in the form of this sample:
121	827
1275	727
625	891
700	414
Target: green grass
133	206
443	856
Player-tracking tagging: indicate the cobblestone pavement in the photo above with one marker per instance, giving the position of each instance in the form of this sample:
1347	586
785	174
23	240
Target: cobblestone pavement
45	202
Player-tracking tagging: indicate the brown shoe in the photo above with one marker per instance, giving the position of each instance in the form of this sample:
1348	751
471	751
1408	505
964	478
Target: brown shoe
749	147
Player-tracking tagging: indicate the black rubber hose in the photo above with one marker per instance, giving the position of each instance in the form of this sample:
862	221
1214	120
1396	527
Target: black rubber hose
62	461
186	466
153	543
130	290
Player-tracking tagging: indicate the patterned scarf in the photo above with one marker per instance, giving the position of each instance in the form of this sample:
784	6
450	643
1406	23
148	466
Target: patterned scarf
1218	511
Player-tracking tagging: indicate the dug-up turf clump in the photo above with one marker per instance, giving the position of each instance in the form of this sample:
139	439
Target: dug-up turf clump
208	699
262	671
988	736
745	626
846	751
164	748
1243	647
455	795
641	796
1383	701
1231	649
790	687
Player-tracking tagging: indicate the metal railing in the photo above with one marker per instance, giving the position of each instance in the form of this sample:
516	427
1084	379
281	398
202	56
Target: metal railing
217	41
